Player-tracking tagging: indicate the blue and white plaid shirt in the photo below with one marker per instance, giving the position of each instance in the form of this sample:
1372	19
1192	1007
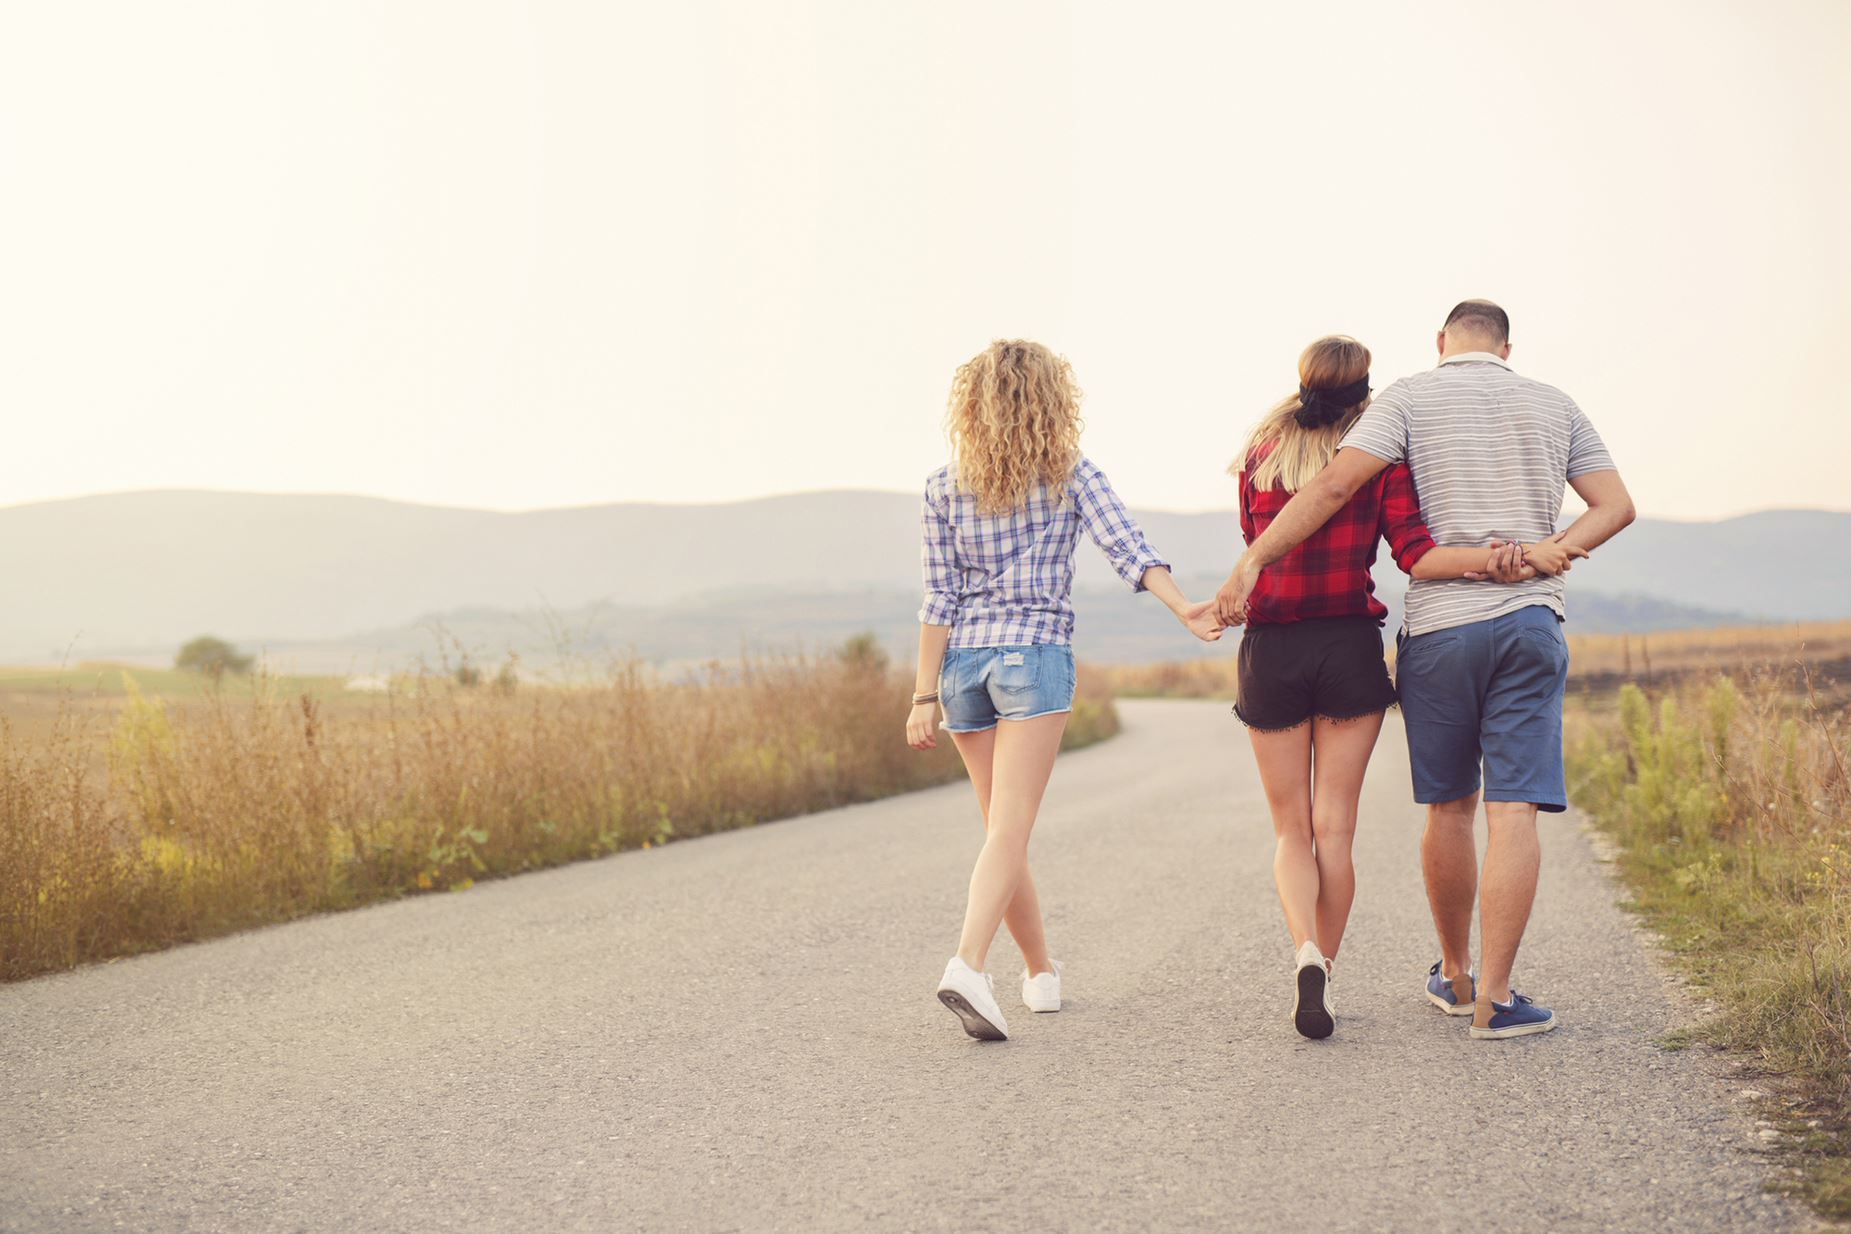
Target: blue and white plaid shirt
1003	580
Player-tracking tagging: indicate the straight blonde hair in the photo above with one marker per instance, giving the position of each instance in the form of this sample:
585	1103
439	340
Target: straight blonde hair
1294	441
1014	423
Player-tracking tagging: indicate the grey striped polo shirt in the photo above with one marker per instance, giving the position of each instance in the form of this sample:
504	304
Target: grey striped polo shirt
1491	452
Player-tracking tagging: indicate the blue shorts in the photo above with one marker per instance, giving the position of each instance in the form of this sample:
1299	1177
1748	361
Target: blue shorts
1491	693
981	685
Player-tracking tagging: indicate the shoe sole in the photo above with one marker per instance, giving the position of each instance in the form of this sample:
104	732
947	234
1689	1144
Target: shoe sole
974	1022
1309	1017
1520	1030
1450	1008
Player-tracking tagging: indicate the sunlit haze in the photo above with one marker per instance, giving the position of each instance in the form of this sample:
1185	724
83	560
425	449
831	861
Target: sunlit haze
514	256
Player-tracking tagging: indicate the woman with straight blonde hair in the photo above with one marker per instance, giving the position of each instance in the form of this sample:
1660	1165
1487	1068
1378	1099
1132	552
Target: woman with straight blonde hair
1000	523
1312	684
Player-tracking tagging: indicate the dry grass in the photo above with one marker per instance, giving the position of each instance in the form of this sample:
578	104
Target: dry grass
238	809
1607	660
1731	803
1174	679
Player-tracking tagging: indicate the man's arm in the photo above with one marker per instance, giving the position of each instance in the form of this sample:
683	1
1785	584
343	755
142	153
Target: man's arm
1309	509
1609	510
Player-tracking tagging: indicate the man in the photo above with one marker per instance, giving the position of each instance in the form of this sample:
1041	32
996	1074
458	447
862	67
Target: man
1481	667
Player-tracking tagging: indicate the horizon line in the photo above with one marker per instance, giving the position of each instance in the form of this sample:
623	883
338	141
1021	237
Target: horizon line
712	504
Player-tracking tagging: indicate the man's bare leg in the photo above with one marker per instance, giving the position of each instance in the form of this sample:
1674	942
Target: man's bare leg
1449	859
1513	862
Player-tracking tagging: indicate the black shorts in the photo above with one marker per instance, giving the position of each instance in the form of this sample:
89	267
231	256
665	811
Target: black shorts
1328	666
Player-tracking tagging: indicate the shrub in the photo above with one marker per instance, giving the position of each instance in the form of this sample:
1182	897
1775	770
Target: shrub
212	657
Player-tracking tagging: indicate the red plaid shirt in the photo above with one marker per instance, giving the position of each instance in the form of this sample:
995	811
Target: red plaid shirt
1328	575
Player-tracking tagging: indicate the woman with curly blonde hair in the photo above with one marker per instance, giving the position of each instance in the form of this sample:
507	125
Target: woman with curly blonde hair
1000	524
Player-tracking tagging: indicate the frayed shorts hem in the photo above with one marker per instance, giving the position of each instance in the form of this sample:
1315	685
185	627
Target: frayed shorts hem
1316	715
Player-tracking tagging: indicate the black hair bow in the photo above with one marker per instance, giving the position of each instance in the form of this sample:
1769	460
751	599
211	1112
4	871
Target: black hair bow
1319	408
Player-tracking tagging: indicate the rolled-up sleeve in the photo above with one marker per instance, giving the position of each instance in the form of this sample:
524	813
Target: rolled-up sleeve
1111	526
1402	525
937	561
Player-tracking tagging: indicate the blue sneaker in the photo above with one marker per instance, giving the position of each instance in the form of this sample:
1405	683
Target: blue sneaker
1440	992
1517	1018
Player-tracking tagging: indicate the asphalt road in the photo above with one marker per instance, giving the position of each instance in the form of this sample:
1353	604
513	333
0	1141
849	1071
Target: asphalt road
740	1033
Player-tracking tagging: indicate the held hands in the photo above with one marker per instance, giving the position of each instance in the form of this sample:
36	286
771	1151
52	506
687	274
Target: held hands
1552	556
921	727
1231	600
1514	563
1507	565
1200	620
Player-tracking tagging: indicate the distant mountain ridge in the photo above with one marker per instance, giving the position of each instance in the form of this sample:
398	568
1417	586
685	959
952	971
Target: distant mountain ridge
140	572
1111	626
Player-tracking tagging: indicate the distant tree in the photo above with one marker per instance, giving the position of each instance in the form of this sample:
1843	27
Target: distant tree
212	657
864	652
466	673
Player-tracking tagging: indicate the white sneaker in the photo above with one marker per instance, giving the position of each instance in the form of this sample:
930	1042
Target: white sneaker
1312	1014
1041	991
971	995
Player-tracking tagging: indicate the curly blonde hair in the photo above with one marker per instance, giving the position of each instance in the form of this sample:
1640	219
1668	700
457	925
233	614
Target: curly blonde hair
1014	423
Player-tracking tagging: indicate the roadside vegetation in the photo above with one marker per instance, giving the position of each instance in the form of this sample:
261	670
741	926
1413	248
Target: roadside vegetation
1729	801
1208	678
1603	662
132	819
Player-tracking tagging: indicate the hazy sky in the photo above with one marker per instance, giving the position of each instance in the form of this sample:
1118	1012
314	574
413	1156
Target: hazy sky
519	255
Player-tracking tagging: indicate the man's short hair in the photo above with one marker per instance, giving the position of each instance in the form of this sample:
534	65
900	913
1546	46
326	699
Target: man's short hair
1480	317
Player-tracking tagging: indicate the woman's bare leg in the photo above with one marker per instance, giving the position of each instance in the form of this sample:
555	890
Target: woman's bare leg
1019	771
1343	748
1285	772
1023	916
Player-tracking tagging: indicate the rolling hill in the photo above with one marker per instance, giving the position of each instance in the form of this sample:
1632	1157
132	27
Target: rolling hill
334	576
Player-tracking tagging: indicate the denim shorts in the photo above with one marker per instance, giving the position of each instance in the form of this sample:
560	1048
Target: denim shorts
1491	693
980	685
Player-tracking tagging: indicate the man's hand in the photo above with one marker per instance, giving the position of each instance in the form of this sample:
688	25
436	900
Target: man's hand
1231	600
920	726
1552	556
1202	621
1507	565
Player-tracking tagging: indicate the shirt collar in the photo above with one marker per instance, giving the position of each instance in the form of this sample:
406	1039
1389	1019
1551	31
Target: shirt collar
1472	356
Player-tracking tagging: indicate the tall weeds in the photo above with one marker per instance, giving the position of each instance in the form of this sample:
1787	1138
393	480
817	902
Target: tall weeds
236	811
1733	813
